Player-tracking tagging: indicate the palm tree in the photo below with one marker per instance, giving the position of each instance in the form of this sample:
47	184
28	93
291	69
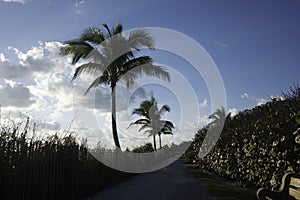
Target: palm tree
166	130
218	116
151	120
109	55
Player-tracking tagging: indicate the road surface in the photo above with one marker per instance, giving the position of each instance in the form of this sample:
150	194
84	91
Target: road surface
170	183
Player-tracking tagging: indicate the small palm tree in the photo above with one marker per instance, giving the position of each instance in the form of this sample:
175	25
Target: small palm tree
152	121
166	130
218	116
109	55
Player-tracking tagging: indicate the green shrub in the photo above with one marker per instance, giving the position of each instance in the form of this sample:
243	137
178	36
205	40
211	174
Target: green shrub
144	148
258	146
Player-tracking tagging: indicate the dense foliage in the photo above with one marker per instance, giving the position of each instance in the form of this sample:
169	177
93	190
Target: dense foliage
191	154
52	168
256	146
144	148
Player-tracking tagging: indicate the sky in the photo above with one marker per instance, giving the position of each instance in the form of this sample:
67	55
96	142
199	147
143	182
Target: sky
254	44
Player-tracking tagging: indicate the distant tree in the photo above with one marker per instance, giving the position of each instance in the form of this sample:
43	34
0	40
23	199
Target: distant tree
144	149
109	55
219	120
151	121
218	115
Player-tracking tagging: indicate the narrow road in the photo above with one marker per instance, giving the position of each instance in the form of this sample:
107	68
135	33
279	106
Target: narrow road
170	183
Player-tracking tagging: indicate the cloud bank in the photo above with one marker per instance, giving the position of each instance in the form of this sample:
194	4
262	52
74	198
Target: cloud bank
16	1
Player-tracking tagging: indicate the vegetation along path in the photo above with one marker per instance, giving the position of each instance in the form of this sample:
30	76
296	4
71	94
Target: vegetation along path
174	182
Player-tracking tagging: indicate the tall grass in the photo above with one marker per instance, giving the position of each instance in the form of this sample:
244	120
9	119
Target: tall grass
51	168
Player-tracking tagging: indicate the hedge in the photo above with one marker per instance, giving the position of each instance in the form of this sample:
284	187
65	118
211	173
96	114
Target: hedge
256	146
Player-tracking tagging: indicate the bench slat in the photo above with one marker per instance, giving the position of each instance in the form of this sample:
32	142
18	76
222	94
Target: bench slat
289	189
295	182
295	193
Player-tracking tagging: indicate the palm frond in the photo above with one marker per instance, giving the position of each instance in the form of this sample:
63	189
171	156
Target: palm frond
167	128
167	133
129	79
220	113
168	124
93	35
164	108
153	100
130	64
144	127
98	81
89	68
151	70
79	49
139	111
139	122
107	29
146	105
140	38
118	29
97	56
153	113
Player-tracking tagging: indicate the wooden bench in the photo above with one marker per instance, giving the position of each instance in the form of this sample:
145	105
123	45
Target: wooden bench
289	189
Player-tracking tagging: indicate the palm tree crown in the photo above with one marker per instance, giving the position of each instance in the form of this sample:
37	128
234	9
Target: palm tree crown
151	121
218	114
109	55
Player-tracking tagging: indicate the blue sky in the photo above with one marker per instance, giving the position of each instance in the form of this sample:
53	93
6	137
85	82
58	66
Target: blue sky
255	45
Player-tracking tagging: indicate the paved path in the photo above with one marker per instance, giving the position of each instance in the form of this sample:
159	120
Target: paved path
171	183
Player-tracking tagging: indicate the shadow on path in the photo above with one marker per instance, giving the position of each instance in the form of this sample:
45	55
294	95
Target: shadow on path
174	182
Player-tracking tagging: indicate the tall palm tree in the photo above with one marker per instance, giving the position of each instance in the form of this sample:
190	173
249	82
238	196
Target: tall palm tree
109	55
152	121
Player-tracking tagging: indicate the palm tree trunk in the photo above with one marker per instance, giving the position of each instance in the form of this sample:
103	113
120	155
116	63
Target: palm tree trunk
154	142
159	135
113	116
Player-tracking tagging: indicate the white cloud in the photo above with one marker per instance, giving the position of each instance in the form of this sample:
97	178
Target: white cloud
38	60
223	45
233	111
140	93
204	120
3	59
51	126
15	95
244	96
39	82
259	101
78	6
16	1
14	115
280	97
204	103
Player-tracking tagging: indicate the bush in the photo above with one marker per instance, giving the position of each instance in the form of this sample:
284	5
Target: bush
258	146
144	148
